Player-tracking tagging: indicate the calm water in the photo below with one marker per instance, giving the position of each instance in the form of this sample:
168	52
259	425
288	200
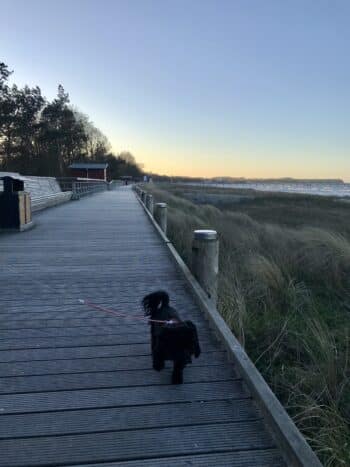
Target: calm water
324	189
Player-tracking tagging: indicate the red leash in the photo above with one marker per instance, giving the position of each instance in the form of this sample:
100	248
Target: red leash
123	315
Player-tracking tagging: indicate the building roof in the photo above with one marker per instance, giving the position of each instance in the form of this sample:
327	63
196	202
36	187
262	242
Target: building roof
88	165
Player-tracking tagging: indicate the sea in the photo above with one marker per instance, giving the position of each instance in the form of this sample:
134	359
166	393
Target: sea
341	190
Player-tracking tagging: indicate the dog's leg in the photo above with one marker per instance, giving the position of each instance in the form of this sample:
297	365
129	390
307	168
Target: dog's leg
177	376
157	355
158	361
153	343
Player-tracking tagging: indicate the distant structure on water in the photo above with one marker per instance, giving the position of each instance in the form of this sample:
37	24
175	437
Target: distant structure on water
89	170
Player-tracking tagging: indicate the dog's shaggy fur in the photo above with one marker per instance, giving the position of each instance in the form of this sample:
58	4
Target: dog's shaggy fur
177	341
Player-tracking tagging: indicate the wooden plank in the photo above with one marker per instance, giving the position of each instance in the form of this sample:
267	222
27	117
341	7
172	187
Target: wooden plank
141	362
135	444
110	379
87	331
82	341
126	418
41	293
92	398
115	325
265	457
18	319
76	309
70	353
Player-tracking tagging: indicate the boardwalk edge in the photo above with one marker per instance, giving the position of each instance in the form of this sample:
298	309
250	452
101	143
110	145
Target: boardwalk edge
287	436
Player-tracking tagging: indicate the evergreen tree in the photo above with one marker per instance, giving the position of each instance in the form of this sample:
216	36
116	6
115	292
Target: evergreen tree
38	137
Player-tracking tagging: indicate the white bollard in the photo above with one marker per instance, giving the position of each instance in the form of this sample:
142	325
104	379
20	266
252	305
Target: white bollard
160	216
205	261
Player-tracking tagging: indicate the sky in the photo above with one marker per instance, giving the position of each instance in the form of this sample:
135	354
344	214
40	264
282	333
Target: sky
252	88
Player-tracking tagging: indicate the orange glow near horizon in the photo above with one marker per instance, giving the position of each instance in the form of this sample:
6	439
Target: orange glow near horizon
269	174
203	165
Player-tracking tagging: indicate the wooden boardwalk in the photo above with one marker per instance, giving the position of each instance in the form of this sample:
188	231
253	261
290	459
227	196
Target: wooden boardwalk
76	385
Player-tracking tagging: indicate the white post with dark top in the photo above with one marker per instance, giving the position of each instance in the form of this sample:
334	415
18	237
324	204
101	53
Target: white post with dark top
160	215
205	261
149	203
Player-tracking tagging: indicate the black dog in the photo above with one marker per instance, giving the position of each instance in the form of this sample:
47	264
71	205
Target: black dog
171	339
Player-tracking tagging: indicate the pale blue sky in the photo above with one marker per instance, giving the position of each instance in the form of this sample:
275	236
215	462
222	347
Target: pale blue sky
240	88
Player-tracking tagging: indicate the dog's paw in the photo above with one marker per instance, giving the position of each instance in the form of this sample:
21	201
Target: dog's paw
177	378
158	365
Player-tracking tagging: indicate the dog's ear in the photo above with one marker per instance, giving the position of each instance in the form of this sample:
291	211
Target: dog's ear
146	305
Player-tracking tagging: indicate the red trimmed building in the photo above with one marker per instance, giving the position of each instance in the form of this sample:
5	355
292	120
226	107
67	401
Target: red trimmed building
89	170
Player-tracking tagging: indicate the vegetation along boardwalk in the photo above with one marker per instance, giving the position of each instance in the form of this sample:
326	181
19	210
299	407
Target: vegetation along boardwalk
76	385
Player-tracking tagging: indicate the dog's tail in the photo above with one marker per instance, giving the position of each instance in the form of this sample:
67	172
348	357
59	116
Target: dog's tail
195	347
155	300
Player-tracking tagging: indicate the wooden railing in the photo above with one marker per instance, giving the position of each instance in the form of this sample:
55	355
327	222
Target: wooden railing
81	188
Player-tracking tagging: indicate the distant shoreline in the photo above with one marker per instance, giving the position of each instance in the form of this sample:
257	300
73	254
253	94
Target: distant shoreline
331	181
244	180
315	188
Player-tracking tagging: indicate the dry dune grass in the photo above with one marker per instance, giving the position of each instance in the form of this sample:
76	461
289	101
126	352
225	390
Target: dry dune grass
285	293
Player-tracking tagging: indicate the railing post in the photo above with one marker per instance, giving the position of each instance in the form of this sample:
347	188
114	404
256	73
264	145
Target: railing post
75	191
143	196
160	216
205	261
149	203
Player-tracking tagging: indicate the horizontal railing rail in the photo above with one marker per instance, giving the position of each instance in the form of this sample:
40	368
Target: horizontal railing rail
81	188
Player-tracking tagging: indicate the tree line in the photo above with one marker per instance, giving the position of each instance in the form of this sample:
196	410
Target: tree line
42	137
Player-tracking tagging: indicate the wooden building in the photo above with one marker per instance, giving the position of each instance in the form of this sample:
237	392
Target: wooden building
89	170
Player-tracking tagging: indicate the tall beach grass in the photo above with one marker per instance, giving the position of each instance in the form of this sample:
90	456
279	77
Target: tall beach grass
284	291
